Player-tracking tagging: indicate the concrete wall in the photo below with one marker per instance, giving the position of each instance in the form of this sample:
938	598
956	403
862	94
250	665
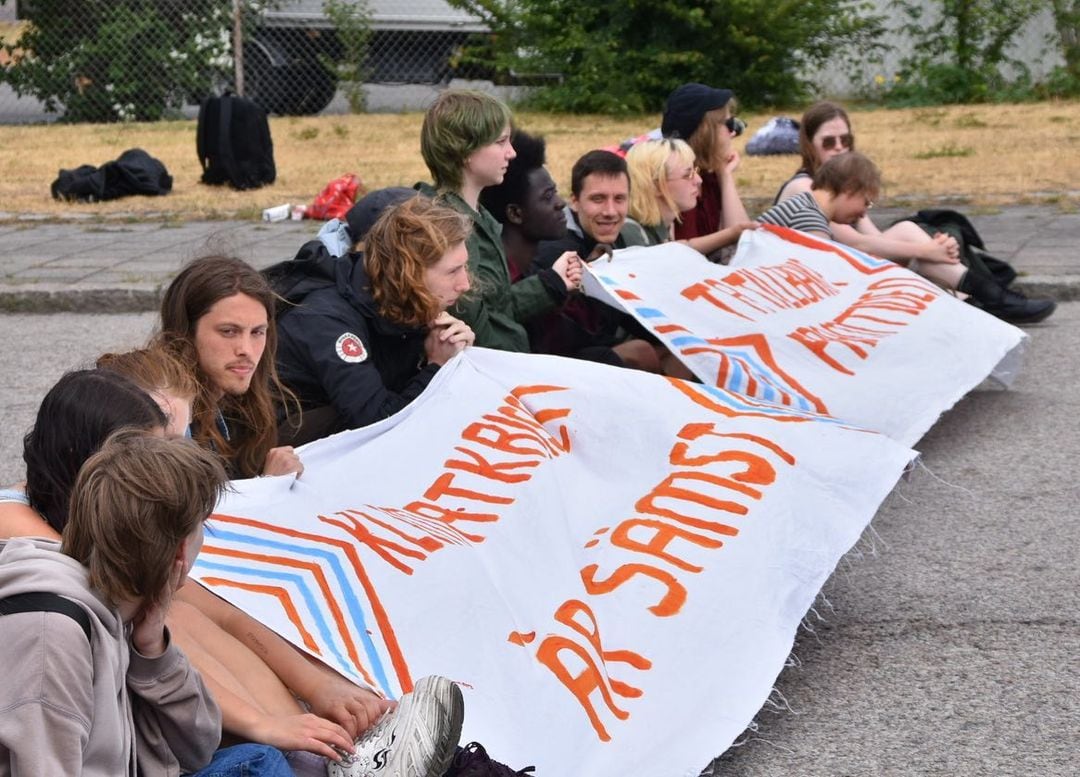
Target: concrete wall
1034	46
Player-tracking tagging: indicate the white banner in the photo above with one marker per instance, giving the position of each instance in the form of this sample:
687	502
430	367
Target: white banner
612	564
813	325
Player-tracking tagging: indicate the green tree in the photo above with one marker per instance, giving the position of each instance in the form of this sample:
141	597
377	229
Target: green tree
1066	80
625	57
352	21
118	60
959	50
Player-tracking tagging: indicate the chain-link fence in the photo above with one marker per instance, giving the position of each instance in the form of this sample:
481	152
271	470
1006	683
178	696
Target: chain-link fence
108	60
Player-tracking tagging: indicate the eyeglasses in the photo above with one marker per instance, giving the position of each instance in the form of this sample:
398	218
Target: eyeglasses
735	126
687	175
847	140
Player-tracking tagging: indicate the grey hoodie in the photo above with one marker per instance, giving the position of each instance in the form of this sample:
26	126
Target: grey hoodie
73	708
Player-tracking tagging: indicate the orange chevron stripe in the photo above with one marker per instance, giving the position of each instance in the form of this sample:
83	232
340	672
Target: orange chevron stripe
316	571
386	629
803	239
282	596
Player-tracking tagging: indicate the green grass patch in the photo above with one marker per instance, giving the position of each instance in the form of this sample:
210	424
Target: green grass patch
949	150
969	121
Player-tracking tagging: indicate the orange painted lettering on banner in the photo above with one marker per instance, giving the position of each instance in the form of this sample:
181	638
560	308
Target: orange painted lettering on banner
754	291
670	603
351	522
593	677
650	543
523	442
443	487
867	321
498	437
498	471
668	489
446	515
662	535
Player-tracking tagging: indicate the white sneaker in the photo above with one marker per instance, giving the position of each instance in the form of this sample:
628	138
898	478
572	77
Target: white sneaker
417	739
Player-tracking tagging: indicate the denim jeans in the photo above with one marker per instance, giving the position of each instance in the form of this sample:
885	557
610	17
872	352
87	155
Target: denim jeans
246	761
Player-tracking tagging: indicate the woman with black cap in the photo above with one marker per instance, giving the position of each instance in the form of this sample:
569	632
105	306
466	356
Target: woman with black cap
702	116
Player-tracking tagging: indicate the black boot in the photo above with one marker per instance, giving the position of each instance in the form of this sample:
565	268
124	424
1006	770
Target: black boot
1008	305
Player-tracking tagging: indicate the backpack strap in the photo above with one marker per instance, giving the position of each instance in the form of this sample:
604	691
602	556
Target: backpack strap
40	601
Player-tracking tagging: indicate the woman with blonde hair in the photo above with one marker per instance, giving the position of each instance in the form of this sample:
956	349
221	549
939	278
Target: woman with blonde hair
664	183
362	347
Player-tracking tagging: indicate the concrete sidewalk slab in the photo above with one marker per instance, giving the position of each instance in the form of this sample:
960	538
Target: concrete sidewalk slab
117	266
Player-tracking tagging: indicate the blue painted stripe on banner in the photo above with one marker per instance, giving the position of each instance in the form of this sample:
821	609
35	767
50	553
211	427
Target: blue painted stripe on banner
689	340
334	563
289	577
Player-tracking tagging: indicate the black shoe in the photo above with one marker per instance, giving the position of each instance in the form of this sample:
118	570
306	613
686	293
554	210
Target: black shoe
1015	308
473	761
1006	304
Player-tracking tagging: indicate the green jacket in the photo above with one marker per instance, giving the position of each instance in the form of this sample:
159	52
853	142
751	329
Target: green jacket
493	307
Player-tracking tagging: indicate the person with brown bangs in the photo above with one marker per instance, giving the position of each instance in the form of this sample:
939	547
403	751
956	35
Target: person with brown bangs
368	342
217	318
705	118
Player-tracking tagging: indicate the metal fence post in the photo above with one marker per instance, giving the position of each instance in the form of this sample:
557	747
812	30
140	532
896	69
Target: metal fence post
238	45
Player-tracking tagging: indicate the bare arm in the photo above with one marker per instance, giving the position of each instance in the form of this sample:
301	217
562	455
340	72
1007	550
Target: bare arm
18	520
795	186
326	692
901	251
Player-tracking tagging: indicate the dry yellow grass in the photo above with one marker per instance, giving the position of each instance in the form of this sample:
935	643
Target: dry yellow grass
984	154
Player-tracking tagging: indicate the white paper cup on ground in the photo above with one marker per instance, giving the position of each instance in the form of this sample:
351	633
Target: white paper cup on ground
278	213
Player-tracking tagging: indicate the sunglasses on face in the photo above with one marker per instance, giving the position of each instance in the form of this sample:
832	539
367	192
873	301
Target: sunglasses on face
829	141
735	126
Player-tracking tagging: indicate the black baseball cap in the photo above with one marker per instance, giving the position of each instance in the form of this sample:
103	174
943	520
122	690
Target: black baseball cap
363	215
687	106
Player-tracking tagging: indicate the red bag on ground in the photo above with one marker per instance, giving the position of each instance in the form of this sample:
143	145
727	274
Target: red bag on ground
335	200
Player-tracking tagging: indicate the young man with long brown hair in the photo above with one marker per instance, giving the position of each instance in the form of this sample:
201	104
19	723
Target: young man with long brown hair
218	317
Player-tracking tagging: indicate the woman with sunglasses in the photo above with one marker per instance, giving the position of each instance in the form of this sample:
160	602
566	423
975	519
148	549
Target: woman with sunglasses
825	132
664	185
704	118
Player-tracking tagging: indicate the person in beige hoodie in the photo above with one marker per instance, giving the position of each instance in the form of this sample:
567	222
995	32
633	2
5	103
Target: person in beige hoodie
125	701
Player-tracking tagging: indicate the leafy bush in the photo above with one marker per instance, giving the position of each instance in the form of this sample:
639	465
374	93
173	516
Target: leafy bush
625	57
958	52
119	60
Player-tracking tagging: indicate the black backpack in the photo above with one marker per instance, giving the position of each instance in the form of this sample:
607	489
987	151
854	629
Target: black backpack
234	143
312	268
